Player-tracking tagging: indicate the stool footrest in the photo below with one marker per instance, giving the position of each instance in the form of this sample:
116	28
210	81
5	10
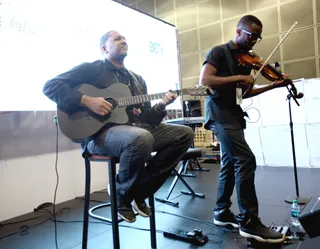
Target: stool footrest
91	214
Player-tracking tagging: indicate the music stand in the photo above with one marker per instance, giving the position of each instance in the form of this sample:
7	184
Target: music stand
293	94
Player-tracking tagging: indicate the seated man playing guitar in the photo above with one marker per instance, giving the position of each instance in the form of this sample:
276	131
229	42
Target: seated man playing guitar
132	142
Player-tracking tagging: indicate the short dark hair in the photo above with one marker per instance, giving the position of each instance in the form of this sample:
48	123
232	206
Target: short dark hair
105	38
247	20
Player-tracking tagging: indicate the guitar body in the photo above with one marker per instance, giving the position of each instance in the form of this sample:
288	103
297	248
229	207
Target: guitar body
81	126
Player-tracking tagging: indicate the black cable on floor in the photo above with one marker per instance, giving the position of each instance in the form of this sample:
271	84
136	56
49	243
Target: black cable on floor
57	183
24	229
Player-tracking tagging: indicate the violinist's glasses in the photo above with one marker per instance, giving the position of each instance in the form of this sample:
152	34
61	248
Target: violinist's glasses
252	36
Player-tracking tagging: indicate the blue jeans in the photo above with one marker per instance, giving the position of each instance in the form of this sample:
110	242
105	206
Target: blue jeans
140	175
238	165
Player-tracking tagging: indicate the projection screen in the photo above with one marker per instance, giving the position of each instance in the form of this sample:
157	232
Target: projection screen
42	38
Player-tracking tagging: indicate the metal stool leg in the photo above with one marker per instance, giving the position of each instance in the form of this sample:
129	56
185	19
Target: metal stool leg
113	203
114	207
152	223
86	204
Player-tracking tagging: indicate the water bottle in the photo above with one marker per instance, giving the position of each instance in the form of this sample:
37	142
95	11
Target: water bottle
295	210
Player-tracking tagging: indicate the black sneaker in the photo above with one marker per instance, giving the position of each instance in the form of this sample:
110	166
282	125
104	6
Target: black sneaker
253	228
224	218
142	208
126	213
124	210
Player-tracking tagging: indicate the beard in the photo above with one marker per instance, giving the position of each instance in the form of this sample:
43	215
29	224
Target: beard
246	46
120	56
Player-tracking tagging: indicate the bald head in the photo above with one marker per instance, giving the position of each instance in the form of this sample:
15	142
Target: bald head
106	37
247	21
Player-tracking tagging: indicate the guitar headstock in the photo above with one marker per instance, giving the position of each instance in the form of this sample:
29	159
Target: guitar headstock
197	90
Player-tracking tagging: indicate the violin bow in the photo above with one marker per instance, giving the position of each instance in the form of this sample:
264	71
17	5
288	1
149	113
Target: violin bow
266	61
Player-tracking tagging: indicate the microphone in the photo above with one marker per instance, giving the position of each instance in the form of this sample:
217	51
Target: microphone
187	108
295	93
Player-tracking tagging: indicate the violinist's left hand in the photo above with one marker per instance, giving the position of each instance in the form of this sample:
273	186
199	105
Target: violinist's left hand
281	83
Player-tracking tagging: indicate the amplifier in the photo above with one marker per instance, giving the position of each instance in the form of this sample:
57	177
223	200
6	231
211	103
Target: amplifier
309	217
192	108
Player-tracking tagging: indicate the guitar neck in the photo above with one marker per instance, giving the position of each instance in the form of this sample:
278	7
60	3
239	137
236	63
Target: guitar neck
133	100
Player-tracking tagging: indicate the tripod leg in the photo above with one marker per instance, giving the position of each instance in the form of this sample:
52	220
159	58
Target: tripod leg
190	192
173	184
186	164
195	161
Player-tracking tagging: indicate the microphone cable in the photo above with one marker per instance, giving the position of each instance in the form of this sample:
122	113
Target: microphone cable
57	183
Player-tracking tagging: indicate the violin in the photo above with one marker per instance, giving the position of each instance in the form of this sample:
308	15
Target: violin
253	61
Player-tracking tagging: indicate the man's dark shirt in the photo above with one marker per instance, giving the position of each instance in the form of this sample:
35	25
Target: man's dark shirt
101	73
222	105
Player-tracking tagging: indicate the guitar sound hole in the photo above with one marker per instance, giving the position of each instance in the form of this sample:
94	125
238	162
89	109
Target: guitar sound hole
113	102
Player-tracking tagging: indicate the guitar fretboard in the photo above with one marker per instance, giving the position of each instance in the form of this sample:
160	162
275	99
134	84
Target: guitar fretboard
133	100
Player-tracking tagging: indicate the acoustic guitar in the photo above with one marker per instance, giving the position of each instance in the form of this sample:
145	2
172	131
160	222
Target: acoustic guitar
82	125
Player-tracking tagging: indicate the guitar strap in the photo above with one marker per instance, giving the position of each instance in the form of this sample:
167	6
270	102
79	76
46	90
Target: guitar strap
126	77
134	84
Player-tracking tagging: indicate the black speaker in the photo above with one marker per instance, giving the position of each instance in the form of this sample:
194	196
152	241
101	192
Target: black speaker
192	108
309	217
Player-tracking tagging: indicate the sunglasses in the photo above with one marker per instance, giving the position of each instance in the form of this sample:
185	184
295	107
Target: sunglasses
252	36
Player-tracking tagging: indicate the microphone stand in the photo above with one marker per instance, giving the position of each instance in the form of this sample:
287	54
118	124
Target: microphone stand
301	200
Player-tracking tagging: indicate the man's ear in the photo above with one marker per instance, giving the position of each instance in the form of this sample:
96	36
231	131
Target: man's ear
104	49
239	32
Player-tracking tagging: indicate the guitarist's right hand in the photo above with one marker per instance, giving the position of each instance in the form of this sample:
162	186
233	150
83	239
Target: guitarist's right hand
96	104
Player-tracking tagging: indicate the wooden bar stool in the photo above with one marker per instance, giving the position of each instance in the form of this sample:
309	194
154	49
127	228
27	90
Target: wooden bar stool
112	161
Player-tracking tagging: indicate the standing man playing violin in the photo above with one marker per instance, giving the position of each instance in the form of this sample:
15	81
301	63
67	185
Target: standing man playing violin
225	118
